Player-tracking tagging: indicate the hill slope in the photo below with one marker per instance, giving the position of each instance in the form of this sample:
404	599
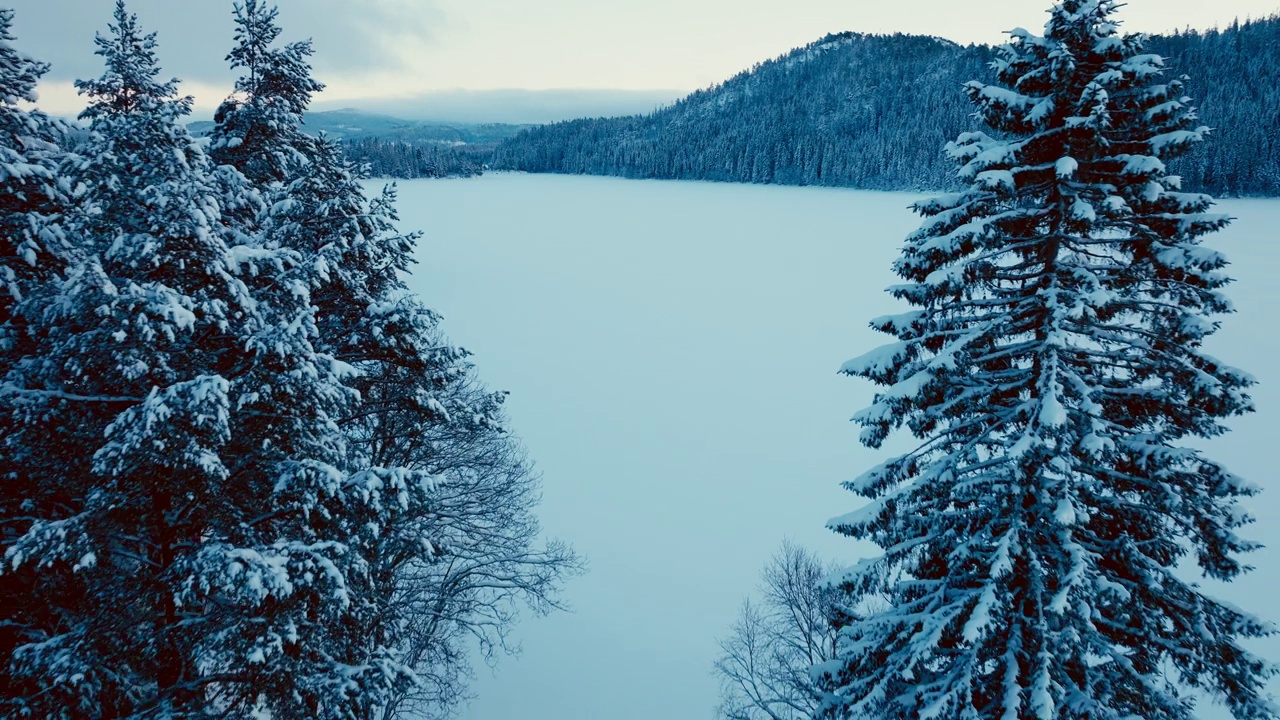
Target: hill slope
873	111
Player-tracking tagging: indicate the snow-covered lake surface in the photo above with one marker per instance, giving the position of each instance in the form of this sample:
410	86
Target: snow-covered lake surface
671	351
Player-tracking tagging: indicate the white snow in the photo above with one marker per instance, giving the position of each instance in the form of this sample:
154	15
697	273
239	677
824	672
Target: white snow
1065	512
671	351
877	361
980	618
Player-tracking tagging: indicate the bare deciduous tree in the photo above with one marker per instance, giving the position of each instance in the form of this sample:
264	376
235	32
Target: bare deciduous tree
765	660
462	565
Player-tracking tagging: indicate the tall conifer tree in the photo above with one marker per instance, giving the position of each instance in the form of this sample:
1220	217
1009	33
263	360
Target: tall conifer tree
120	412
1053	372
345	257
32	251
420	413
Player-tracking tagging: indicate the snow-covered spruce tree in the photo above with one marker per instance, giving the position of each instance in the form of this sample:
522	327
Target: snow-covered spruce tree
318	207
343	657
286	605
31	252
316	215
119	414
1053	371
290	602
451	560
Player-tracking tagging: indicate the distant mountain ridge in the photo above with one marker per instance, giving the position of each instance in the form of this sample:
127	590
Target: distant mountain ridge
873	111
351	123
393	147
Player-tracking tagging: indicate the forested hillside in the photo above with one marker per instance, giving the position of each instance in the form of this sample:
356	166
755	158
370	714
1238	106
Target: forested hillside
873	111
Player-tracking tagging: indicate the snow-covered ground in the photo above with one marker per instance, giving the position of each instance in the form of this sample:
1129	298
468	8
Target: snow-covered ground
671	350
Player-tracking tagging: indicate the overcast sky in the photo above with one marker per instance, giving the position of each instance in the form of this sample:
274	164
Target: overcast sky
384	48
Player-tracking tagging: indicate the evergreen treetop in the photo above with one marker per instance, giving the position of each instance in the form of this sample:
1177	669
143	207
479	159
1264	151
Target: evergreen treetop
258	128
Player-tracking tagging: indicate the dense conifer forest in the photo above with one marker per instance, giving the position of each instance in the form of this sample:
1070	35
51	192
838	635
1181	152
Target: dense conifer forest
383	157
873	111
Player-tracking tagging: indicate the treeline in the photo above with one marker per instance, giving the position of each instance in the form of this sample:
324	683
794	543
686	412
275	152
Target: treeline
384	157
873	111
244	472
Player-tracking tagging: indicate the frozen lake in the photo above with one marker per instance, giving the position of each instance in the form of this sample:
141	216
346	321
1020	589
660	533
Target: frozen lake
671	351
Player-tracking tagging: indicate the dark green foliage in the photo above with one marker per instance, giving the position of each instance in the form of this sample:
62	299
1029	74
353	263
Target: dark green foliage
32	250
115	412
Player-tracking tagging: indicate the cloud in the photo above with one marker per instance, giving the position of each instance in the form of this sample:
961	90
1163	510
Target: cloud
352	37
361	36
